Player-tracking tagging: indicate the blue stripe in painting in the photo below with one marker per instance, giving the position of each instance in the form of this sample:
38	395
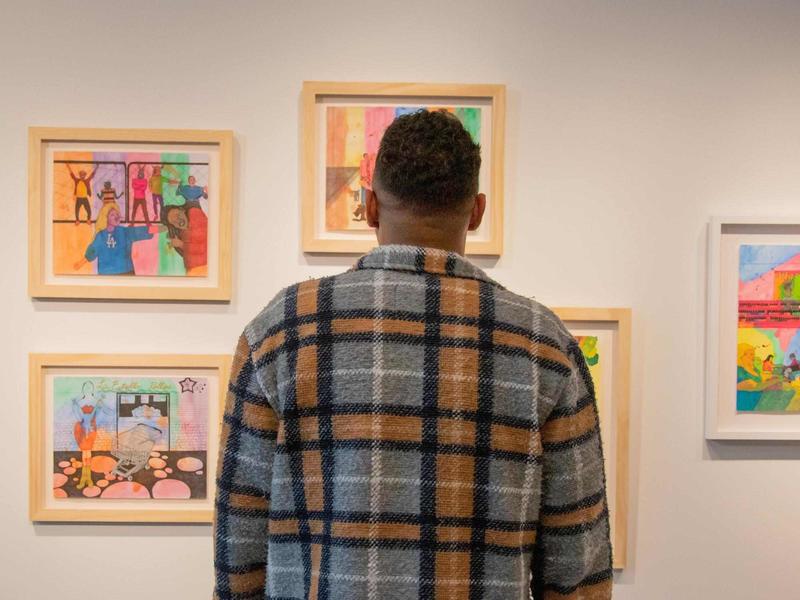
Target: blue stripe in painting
754	261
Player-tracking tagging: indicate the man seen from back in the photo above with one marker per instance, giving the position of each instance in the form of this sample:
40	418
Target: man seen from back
410	429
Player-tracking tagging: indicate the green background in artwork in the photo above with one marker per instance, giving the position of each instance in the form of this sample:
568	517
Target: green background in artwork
106	388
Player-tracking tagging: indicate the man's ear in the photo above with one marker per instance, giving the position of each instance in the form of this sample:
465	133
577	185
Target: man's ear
372	209
476	216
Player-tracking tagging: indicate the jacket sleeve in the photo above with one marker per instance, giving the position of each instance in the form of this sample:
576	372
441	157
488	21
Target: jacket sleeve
244	472
572	556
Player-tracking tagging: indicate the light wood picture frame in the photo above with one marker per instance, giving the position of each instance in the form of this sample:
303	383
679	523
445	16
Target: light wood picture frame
598	329
130	214
753	329
342	123
125	437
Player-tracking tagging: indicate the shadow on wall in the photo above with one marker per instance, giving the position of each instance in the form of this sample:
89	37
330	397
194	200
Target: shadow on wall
118	530
752	450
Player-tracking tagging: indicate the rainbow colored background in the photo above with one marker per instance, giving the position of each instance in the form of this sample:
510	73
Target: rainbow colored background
355	130
150	257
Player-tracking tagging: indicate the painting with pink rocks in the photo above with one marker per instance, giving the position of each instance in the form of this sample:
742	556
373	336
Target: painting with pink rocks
130	437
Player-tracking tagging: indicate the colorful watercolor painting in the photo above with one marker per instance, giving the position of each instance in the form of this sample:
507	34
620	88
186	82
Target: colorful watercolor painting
130	213
130	438
768	336
353	137
589	345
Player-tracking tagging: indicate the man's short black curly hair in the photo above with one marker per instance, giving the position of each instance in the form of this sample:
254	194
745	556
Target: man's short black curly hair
428	161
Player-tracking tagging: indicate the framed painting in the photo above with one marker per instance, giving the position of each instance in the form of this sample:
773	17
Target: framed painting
125	438
129	214
343	124
753	329
604	336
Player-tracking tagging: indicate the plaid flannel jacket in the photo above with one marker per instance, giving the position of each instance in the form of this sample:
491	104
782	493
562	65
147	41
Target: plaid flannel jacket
410	429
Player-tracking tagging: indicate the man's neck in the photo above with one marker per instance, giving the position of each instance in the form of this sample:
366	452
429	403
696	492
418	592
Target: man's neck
450	244
428	233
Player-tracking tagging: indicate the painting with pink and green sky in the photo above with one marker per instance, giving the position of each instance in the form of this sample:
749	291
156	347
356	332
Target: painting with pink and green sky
768	335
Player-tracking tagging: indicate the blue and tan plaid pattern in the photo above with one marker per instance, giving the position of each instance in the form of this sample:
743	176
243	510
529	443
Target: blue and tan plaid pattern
410	429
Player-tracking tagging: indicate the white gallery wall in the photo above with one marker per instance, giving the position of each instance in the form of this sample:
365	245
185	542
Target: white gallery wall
629	124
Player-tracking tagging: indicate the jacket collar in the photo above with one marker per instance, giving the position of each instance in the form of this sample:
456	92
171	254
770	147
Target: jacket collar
417	259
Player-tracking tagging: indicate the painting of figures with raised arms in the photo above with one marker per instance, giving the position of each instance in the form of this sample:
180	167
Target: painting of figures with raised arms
139	214
130	213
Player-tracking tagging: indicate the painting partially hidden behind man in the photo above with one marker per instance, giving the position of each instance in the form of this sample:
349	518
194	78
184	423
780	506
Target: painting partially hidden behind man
353	136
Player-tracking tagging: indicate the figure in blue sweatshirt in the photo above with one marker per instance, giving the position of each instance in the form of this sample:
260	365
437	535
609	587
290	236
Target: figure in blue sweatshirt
112	247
